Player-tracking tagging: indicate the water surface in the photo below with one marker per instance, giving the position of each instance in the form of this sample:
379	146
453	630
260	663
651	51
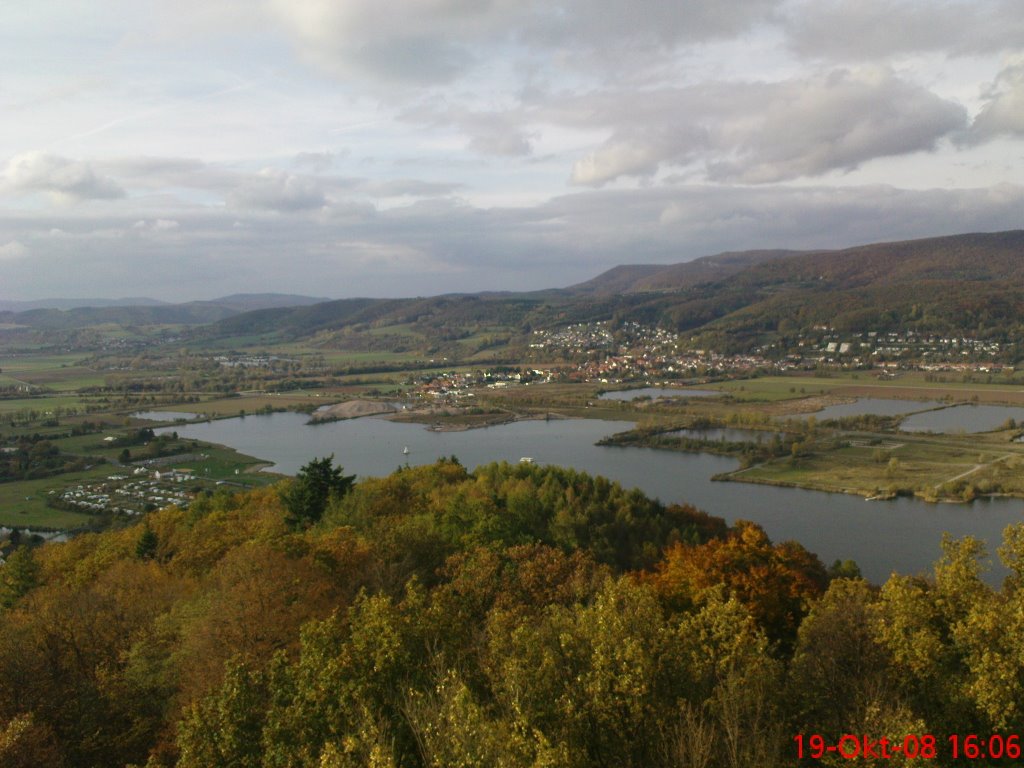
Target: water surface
963	418
658	392
901	535
876	406
165	415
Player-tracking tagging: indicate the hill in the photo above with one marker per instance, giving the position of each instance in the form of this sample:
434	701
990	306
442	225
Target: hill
673	277
516	615
68	314
969	284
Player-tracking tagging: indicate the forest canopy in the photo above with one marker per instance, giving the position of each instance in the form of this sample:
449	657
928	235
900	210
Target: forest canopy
516	615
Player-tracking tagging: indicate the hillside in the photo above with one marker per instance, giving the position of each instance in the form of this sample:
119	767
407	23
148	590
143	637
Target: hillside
674	277
516	615
970	284
68	314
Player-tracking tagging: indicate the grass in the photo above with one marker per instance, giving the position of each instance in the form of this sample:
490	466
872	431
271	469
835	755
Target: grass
24	504
869	465
222	462
910	385
42	404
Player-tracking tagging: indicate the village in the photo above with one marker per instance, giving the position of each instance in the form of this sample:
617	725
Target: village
594	353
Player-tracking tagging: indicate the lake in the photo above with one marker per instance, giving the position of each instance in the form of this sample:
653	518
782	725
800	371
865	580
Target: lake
963	418
165	415
656	392
882	536
874	405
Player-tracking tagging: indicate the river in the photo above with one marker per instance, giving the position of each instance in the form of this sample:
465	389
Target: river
882	536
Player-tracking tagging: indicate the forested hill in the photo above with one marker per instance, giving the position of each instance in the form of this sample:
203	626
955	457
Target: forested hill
674	277
969	284
518	616
66	314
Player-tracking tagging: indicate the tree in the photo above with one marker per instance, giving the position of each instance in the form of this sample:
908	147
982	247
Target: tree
314	486
19	574
145	548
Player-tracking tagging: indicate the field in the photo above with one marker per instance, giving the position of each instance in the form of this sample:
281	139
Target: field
912	385
24	504
870	465
860	462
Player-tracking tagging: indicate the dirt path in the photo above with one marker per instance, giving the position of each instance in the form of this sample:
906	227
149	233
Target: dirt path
972	471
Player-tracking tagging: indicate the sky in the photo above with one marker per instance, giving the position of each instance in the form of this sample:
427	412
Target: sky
188	149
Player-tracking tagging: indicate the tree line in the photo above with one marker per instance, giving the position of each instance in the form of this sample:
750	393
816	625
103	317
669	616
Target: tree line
515	615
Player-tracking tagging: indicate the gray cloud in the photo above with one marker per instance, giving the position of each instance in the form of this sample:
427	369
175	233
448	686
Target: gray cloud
407	188
315	162
162	172
768	132
1003	112
490	133
860	30
13	250
416	42
273	190
441	246
60	177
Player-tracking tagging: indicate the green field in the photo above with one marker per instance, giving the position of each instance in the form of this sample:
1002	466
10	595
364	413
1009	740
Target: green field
24	504
932	467
909	385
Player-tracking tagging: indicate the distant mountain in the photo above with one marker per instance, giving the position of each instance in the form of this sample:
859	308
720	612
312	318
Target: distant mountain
673	277
64	304
965	283
620	279
247	302
145	311
969	284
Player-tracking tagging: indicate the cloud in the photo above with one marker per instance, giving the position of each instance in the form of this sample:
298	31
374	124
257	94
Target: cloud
1003	111
770	132
863	30
422	42
273	190
160	172
64	179
13	250
316	162
159	225
441	245
498	133
408	188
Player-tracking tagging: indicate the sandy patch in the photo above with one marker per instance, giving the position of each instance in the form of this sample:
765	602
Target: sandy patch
351	409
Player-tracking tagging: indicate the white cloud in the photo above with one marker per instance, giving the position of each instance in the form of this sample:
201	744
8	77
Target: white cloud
159	225
1003	111
274	190
768	132
835	122
13	250
441	246
435	41
863	30
64	179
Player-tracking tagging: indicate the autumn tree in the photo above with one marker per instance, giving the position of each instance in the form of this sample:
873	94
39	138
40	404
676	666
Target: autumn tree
776	582
18	575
